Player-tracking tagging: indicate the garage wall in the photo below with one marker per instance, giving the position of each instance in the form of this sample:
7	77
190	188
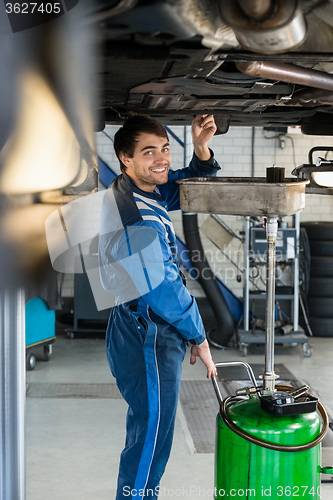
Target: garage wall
233	151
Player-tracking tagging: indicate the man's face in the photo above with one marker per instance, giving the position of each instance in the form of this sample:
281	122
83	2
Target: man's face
150	163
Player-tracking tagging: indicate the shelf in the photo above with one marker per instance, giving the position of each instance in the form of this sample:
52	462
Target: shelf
258	337
281	296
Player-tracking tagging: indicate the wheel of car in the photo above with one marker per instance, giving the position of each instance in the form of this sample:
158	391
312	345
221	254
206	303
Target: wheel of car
317	126
320	307
321	248
319	230
322	266
320	287
321	327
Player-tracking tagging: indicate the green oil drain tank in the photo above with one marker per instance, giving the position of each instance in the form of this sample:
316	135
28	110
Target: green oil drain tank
246	470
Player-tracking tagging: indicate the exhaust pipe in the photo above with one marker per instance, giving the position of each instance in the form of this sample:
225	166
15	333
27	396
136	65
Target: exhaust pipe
288	73
265	26
258	10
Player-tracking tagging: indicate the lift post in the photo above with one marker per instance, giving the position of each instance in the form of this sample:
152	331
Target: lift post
12	394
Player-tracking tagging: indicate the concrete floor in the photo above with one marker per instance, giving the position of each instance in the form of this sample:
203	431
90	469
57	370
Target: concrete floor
73	444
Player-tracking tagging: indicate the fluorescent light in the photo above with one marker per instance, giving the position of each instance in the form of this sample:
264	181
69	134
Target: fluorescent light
323	178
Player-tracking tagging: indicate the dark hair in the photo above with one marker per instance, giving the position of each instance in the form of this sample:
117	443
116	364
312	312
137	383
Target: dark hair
126	137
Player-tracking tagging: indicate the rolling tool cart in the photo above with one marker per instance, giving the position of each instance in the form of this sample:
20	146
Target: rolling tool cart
39	330
268	438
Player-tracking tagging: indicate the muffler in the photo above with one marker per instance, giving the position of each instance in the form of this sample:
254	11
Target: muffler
265	26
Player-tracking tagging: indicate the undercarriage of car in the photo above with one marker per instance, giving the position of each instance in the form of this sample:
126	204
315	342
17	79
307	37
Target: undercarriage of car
254	63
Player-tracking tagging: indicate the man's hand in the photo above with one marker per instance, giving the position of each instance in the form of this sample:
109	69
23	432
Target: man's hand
203	129
204	354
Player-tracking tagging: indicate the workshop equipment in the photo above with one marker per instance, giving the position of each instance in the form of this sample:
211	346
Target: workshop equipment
39	330
255	250
268	443
267	438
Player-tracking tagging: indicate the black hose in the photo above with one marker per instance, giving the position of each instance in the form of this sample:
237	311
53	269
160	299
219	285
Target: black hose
305	263
304	275
206	278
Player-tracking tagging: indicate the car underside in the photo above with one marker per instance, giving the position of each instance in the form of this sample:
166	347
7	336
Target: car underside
250	62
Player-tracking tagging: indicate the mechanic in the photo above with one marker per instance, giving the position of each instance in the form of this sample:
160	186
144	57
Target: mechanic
154	316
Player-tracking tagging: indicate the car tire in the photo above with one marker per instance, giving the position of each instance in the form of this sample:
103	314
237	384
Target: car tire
321	327
320	287
319	230
320	307
322	266
323	248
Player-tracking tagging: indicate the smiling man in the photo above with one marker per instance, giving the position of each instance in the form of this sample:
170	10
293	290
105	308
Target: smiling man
154	316
150	163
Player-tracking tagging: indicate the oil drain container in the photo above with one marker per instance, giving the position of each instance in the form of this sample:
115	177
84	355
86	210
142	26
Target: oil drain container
285	461
267	438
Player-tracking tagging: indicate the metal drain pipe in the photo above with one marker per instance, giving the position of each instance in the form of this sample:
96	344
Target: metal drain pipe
269	375
288	73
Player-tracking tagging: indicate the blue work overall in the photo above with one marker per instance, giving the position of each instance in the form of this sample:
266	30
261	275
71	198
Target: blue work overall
153	319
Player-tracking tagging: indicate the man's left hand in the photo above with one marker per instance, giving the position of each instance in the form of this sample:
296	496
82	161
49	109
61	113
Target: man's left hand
203	129
203	352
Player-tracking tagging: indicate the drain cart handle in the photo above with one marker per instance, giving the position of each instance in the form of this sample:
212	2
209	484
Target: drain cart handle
233	363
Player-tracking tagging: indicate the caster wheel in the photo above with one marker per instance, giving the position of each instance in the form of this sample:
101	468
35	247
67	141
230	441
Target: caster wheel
30	361
71	335
294	344
243	350
307	350
47	352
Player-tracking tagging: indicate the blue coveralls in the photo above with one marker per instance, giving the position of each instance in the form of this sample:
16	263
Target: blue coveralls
153	319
